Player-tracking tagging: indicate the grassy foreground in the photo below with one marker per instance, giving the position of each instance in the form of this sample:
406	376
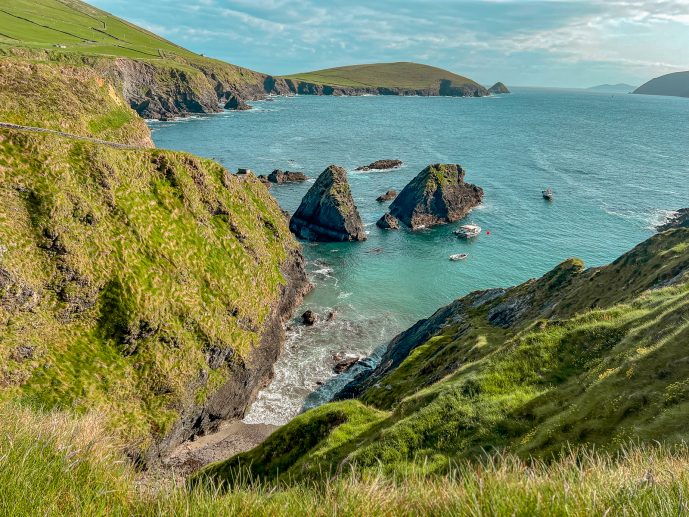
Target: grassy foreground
54	464
412	76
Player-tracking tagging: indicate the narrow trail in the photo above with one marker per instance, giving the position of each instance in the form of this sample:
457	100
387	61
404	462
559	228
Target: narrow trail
16	127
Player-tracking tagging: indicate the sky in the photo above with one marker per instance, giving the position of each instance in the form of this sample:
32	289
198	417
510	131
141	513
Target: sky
561	43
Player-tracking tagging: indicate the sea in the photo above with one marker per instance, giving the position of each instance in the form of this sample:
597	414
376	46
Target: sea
618	165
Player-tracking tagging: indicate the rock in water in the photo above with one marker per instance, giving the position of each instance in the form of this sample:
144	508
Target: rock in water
388	222
280	176
679	220
381	165
498	88
309	318
390	194
438	195
327	212
235	103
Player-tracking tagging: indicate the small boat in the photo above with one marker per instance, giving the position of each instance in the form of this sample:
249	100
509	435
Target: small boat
467	231
458	256
548	194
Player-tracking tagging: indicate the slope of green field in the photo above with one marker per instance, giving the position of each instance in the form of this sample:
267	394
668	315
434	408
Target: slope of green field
673	85
79	28
412	76
579	357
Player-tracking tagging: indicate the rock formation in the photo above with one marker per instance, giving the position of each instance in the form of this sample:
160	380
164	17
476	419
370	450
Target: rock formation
390	194
381	165
327	212
438	195
498	88
388	222
679	220
237	104
280	176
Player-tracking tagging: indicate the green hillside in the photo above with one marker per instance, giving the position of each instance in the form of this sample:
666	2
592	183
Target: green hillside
578	357
674	85
411	76
81	29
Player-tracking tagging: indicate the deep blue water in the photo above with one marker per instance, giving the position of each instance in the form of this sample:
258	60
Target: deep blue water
617	163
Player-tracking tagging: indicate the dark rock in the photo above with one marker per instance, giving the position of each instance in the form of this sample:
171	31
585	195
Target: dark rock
309	318
264	179
381	165
438	195
388	222
498	88
237	104
327	212
330	316
344	362
280	176
390	194
242	171
679	220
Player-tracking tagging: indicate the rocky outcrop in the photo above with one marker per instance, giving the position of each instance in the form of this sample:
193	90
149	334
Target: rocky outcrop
328	212
380	165
247	376
288	86
309	318
279	176
388	222
236	104
498	89
390	194
679	220
437	195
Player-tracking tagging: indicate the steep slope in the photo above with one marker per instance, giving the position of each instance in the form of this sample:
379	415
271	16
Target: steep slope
576	357
158	78
384	79
674	85
146	286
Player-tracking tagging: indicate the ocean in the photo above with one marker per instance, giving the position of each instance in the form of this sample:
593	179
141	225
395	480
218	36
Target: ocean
618	165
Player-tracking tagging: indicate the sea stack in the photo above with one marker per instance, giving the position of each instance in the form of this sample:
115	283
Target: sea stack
498	88
328	213
438	195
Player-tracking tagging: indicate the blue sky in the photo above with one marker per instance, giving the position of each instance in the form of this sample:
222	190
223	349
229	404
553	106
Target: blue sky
564	43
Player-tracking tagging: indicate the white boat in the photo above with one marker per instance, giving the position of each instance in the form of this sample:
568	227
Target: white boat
458	256
467	231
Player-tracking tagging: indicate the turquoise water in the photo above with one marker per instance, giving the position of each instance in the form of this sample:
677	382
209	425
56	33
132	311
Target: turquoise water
618	165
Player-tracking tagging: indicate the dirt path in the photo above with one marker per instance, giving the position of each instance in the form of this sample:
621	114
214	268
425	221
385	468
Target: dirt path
232	438
16	127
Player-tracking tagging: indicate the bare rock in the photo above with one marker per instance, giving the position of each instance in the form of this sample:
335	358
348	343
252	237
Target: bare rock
390	194
381	165
279	176
309	318
388	222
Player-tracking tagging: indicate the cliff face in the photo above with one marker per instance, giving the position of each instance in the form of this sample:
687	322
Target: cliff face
148	286
576	357
288	86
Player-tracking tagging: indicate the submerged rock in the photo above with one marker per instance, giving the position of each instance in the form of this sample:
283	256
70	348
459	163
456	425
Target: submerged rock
327	212
390	194
237	104
438	195
498	88
388	222
381	165
280	176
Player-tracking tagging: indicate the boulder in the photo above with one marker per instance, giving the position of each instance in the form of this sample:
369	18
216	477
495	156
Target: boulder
237	104
344	362
388	222
381	165
328	213
438	195
390	194
309	318
498	88
280	176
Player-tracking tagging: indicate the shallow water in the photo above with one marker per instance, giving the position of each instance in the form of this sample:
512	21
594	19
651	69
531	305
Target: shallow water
618	165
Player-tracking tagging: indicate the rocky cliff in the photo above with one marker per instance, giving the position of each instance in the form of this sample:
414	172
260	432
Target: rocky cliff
437	195
328	212
593	357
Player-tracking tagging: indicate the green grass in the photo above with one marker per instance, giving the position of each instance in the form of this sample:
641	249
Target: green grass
138	264
55	464
593	357
411	76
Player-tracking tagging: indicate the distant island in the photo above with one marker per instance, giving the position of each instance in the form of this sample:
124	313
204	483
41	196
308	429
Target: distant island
400	78
613	88
674	85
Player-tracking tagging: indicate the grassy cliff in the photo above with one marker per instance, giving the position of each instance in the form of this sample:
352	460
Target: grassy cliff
576	358
157	77
147	286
